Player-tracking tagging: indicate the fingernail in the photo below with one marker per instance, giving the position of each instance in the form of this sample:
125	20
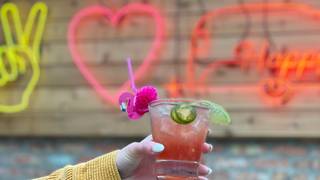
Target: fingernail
157	148
209	170
211	148
203	178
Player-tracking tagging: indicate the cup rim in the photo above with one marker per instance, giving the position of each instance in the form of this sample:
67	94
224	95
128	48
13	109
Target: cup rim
175	101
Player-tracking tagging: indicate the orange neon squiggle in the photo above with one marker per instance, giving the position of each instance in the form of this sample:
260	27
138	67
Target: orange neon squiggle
251	8
281	66
290	65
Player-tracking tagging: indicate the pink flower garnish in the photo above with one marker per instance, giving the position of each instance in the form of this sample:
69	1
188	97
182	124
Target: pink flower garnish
144	96
137	105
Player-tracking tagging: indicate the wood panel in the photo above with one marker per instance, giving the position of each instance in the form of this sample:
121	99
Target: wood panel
224	27
247	123
65	99
220	48
64	104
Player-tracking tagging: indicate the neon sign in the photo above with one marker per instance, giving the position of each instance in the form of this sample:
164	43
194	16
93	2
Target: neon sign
115	19
15	56
282	72
288	65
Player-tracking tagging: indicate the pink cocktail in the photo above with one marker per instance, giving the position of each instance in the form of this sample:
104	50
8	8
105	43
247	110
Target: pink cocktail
183	142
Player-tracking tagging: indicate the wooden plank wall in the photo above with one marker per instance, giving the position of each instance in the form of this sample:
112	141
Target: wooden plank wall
64	104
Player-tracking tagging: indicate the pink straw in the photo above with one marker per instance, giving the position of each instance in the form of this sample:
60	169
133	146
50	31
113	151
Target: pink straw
131	77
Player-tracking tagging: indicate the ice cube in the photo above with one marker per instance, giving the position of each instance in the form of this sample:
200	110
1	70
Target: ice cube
165	110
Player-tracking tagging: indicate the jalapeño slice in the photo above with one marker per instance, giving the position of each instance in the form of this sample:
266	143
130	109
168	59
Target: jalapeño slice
183	113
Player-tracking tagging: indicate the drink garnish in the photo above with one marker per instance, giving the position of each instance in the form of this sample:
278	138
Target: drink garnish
143	97
217	113
136	103
183	113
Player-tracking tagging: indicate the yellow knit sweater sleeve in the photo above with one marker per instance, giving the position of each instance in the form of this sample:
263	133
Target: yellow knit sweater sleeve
100	168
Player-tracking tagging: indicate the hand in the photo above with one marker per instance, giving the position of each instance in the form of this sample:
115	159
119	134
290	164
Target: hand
136	161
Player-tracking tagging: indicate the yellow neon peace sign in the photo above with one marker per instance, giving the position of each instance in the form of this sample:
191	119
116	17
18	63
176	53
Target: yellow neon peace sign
20	49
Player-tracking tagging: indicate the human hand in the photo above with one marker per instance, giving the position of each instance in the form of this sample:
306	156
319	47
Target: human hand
136	161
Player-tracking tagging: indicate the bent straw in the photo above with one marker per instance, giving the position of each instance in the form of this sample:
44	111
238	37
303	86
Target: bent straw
131	77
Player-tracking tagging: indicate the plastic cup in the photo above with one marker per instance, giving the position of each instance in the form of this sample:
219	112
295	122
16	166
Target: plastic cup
183	142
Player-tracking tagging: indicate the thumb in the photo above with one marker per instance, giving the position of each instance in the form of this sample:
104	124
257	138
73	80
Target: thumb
129	158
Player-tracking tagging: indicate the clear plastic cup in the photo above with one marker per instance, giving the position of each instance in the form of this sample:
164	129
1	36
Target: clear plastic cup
183	142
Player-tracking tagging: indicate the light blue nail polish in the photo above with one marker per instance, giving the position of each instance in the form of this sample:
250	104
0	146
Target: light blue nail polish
209	171
157	148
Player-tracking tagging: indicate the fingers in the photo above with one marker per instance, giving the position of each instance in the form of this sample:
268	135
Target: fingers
150	148
156	147
204	170
207	148
144	148
202	178
149	144
148	138
129	158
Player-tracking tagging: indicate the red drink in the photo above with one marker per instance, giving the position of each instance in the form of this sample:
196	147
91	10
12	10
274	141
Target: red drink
183	142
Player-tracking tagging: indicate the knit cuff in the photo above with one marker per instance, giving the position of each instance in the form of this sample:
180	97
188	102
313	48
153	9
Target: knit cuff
103	167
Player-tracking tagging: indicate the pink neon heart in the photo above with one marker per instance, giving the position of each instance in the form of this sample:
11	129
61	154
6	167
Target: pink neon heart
114	19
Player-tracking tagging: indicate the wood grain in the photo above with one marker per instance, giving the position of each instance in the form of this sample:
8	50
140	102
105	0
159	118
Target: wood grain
64	104
261	124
